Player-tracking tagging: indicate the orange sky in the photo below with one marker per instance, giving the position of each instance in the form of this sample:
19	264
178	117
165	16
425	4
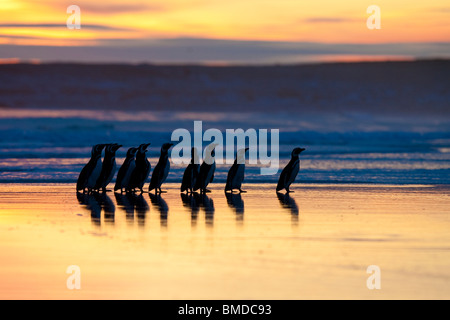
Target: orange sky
222	32
328	21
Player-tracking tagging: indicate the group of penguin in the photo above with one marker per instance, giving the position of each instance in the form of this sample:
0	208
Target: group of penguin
96	175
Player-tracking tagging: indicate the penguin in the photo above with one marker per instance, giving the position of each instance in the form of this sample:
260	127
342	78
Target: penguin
236	174
124	174
207	169
91	171
142	169
108	167
161	170
191	173
290	172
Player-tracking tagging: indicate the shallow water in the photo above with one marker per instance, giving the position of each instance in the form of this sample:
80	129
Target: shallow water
316	243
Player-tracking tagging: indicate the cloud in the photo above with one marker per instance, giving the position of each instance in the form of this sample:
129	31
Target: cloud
327	20
13	36
105	9
441	10
58	25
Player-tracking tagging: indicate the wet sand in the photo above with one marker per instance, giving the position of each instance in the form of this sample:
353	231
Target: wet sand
315	244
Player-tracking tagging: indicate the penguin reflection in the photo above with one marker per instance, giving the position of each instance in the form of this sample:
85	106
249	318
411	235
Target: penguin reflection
162	207
91	203
107	205
191	202
289	204
141	208
125	202
208	206
236	203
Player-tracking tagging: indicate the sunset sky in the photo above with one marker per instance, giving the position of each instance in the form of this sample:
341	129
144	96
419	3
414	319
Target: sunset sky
281	30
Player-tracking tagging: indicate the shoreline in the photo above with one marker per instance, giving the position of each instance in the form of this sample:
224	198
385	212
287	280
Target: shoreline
265	184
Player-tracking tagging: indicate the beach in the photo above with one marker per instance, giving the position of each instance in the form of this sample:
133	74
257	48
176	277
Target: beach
316	243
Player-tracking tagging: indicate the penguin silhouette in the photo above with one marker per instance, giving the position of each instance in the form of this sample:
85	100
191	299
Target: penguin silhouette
125	171
91	171
108	167
290	172
142	169
161	170
191	173
236	174
207	169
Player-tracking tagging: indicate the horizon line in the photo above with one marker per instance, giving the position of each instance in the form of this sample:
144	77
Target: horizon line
16	61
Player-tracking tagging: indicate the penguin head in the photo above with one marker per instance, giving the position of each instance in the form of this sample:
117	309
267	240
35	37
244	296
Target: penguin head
116	147
131	152
194	156
112	148
240	156
165	147
143	148
296	152
210	153
212	147
97	149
